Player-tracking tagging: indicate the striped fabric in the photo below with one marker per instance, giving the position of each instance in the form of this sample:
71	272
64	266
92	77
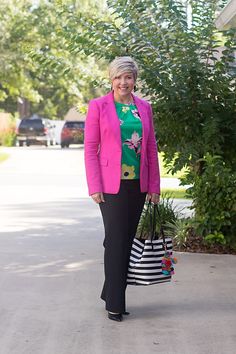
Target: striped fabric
145	262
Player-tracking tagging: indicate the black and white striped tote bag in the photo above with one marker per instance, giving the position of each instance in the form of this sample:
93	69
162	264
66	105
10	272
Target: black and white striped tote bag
146	258
145	263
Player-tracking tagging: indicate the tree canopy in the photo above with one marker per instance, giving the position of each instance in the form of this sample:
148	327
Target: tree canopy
189	82
187	71
35	60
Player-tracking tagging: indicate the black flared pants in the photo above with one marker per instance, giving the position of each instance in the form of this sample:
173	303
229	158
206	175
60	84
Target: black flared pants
121	213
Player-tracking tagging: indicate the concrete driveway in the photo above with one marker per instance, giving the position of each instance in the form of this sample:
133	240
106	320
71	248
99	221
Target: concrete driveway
51	273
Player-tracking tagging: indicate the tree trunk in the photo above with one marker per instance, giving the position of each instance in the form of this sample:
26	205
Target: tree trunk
23	107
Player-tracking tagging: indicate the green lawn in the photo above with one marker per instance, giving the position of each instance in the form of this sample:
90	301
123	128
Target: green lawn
174	193
3	156
178	193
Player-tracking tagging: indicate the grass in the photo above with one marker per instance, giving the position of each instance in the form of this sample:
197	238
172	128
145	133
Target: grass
175	193
3	156
164	172
179	193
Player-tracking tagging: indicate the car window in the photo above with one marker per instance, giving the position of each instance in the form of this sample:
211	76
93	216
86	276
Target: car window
74	125
37	123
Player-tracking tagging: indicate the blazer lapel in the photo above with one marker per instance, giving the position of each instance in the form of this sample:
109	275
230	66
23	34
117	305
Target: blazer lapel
112	117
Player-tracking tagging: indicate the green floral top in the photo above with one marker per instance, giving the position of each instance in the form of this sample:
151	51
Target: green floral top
131	137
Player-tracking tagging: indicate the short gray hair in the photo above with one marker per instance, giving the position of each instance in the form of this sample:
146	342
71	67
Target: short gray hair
121	65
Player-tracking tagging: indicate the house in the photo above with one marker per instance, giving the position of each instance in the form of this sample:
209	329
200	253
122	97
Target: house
227	17
73	114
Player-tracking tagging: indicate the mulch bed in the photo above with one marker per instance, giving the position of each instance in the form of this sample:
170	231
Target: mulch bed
196	244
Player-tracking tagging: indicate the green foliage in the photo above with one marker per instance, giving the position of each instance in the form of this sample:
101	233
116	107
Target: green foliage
214	200
178	230
166	172
216	237
16	34
166	214
8	132
35	61
192	92
8	137
191	84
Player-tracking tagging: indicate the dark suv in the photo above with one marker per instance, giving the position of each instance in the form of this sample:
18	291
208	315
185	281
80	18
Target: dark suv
72	133
36	130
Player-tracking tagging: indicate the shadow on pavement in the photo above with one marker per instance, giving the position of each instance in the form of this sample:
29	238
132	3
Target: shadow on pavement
51	239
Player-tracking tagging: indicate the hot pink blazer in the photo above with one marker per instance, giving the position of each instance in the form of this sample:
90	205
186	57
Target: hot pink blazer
103	147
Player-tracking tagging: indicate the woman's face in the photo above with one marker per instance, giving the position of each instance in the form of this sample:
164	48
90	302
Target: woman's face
123	84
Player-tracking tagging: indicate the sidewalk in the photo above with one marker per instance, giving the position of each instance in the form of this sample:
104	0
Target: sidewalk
51	276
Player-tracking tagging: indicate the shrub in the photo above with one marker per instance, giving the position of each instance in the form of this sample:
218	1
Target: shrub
8	137
214	201
179	231
167	213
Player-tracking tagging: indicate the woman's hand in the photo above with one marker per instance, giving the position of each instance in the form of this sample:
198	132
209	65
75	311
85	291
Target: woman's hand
98	197
153	197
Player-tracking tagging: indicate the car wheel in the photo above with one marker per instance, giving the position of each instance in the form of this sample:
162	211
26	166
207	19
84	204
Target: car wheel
62	145
27	143
21	143
67	145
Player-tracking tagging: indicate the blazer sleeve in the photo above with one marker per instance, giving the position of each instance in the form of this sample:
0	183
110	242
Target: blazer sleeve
152	155
91	148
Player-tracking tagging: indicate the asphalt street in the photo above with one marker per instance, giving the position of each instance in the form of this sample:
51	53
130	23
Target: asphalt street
51	274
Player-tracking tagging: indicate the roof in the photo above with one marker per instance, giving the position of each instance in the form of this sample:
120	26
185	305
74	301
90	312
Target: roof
73	114
227	17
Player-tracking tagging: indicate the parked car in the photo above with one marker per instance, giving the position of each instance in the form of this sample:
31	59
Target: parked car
36	130
72	133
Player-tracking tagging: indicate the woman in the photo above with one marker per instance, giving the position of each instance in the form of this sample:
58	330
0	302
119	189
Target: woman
122	170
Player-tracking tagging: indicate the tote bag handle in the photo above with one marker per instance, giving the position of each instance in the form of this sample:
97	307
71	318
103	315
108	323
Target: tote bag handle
153	223
154	218
145	218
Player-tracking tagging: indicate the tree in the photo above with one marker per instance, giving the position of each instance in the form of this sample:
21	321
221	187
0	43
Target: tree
191	91
15	33
31	38
191	86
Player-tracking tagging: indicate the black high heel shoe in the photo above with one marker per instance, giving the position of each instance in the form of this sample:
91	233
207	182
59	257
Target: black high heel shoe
115	316
126	313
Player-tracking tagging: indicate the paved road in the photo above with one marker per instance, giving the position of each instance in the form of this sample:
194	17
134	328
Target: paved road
51	273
